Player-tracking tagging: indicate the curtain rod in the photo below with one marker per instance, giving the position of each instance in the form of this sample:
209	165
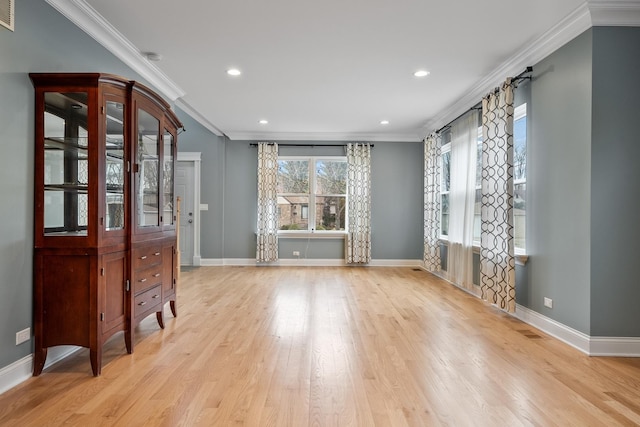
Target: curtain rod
515	79
448	125
253	144
522	76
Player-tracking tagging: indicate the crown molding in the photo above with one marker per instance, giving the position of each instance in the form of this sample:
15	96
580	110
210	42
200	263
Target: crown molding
184	106
589	14
324	136
91	22
619	13
564	31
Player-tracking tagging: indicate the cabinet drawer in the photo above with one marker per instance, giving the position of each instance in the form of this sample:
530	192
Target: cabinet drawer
148	301
147	278
146	257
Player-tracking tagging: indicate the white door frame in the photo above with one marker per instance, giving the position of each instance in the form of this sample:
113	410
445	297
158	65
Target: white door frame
194	157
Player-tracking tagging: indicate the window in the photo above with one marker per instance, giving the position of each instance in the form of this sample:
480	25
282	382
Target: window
312	193
519	175
445	187
477	206
519	181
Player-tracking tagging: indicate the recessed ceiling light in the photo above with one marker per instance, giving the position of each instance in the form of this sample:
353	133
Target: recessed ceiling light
384	122
152	56
421	73
263	122
234	72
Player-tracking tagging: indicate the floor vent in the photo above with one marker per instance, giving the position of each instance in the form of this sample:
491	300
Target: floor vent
529	334
6	13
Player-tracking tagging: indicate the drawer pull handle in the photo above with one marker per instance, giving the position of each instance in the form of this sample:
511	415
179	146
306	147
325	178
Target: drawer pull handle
156	275
143	257
143	280
142	303
157	254
155	296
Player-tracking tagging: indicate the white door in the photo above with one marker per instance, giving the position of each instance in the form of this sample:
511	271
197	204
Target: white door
184	189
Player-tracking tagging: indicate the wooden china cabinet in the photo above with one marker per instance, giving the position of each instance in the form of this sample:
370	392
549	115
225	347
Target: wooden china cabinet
105	231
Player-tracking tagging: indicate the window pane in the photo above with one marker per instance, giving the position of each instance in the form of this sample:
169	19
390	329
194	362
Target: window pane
479	166
290	212
330	212
147	180
520	149
331	177
293	176
114	165
444	226
446	171
477	214
519	214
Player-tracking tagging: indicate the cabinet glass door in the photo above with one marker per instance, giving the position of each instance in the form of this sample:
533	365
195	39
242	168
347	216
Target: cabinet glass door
167	178
147	178
114	165
66	165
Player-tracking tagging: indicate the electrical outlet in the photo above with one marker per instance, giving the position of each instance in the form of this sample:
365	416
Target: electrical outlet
23	335
296	253
548	302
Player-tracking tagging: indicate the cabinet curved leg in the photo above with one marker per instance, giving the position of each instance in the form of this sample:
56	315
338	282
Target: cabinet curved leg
96	361
128	339
39	357
160	317
174	310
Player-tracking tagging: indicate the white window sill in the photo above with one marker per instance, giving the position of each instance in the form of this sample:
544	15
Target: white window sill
520	256
312	234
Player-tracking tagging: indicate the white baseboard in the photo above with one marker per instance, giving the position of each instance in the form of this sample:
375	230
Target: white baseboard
418	263
308	262
592	346
21	370
556	329
615	346
210	262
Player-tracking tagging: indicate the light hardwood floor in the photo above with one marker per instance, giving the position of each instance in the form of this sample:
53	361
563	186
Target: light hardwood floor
263	346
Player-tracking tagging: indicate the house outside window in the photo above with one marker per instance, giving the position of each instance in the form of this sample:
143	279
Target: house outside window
312	194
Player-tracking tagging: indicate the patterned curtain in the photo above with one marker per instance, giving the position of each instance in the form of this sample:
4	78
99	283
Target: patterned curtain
497	263
432	161
267	234
358	245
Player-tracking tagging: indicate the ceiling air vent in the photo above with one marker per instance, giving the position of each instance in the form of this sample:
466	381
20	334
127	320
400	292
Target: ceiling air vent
6	13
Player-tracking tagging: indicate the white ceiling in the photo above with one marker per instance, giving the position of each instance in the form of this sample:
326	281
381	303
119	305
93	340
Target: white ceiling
330	69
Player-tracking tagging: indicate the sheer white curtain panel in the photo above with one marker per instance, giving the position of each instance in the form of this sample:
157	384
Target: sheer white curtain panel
464	138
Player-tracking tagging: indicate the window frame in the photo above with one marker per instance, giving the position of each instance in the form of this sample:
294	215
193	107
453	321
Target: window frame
520	112
311	230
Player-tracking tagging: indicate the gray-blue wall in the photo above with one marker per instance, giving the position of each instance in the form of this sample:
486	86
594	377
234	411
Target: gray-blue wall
559	184
212	148
396	207
43	41
615	183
